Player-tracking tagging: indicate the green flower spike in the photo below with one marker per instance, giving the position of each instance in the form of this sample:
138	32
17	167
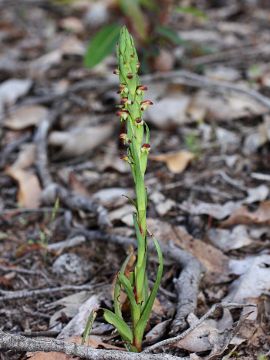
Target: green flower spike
137	139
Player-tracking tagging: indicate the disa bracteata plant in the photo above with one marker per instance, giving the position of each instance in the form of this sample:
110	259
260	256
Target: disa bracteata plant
134	282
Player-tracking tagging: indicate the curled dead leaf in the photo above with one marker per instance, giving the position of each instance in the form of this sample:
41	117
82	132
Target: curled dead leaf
29	187
243	215
79	141
26	116
176	162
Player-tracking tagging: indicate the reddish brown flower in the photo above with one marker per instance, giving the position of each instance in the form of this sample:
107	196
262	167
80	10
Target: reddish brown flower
122	89
145	104
123	114
124	138
140	89
146	148
139	121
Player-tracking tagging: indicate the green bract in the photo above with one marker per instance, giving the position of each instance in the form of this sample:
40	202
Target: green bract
137	139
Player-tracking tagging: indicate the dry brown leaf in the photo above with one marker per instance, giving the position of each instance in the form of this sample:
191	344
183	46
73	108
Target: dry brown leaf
26	157
169	112
80	141
50	356
244	216
213	259
26	116
176	162
13	89
29	188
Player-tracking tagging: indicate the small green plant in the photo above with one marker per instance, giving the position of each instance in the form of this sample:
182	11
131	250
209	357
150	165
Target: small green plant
134	282
148	22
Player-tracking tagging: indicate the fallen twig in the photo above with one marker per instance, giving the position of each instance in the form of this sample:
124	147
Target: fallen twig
53	190
178	76
164	343
194	80
23	271
21	294
76	202
22	343
187	289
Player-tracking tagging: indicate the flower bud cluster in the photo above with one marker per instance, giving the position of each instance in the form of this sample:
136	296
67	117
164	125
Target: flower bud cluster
132	103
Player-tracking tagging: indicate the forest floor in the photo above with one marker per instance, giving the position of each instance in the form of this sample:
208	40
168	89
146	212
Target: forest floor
65	213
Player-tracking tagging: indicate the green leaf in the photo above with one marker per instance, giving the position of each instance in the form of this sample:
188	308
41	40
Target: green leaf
150	4
89	325
119	324
169	34
192	11
135	308
117	289
139	330
132	9
101	45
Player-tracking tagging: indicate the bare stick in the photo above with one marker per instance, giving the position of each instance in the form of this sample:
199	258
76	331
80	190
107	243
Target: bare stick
21	343
194	80
187	288
210	312
178	76
21	294
75	202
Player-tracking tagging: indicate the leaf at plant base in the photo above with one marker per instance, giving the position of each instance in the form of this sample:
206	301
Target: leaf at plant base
139	330
101	45
89	325
118	295
77	324
26	116
119	324
176	162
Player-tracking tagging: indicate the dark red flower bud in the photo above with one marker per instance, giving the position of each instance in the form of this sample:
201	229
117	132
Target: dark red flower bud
124	138
123	114
140	89
146	148
124	157
145	104
125	101
139	121
122	89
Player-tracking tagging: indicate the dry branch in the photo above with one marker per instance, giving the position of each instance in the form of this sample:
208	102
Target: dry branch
22	294
187	289
20	343
53	190
171	341
178	76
